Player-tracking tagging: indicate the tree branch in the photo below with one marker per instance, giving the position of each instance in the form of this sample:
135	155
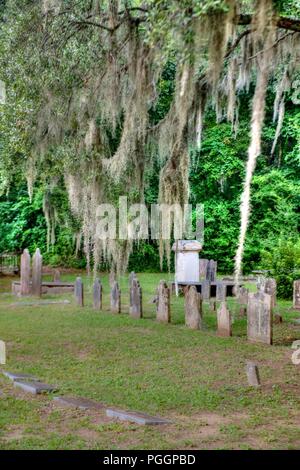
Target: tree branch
282	22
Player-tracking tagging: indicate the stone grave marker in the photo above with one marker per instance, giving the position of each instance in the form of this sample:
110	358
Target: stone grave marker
25	273
36	388
56	275
193	308
203	263
224	320
242	312
132	276
78	403
296	295
135	417
97	294
78	291
243	295
37	261
271	289
19	376
115	298
136	305
211	272
163	313
277	319
259	325
252	374
205	290
2	353
221	292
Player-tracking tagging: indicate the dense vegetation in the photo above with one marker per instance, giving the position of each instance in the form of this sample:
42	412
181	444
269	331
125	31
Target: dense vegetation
216	170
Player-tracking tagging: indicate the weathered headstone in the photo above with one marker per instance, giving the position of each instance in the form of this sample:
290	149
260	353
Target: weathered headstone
25	273
163	303
277	319
224	320
252	374
221	291
296	295
296	344
271	289
296	357
243	312
213	305
193	308
205	290
79	403
37	261
203	263
97	295
56	275
132	276
211	272
35	388
2	352
259	325
78	291
136	305
243	295
115	298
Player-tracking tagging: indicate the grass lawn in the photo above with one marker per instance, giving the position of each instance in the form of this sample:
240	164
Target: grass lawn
194	378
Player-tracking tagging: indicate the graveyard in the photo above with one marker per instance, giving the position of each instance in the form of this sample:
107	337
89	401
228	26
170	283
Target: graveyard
149	225
101	356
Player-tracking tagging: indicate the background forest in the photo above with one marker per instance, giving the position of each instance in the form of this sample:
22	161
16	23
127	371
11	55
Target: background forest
216	174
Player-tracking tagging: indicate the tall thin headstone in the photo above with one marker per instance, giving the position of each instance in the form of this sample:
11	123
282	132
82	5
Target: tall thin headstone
259	325
97	295
2	353
132	276
211	271
193	308
224	320
37	261
25	273
205	290
115	298
271	289
163	313
221	291
136	305
78	291
296	295
243	293
252	374
203	263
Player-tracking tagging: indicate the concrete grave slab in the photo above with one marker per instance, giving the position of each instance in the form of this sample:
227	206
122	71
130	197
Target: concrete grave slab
19	376
36	388
79	403
135	417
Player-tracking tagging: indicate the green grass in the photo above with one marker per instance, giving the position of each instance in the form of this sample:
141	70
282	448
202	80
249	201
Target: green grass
192	377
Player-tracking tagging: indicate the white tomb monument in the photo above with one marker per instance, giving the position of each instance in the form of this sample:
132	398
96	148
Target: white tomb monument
187	260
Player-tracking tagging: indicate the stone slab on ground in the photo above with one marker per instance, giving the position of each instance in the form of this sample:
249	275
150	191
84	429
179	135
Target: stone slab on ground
35	388
135	417
44	302
19	376
80	403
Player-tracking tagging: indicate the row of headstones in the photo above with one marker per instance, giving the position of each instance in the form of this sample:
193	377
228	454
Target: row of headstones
136	304
31	276
208	269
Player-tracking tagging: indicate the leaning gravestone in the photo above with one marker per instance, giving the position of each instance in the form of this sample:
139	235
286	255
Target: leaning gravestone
221	292
163	303
2	353
193	308
115	298
224	320
203	263
136	306
97	295
37	261
271	289
296	295
78	291
259	327
205	290
25	273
